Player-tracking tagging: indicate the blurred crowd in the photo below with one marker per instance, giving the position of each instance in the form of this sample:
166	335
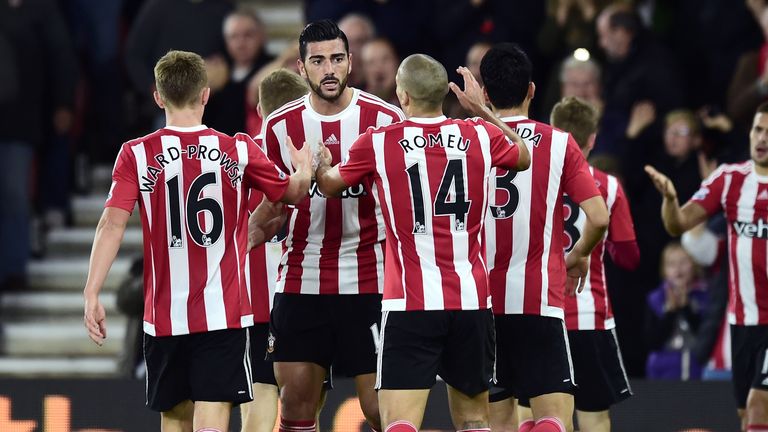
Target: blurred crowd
676	84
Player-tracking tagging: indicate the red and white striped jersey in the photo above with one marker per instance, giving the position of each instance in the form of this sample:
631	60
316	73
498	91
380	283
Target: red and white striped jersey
191	185
524	226
591	309
432	179
262	263
334	245
742	194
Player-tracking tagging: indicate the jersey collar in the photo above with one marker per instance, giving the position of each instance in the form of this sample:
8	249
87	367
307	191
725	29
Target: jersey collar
197	128
513	118
428	120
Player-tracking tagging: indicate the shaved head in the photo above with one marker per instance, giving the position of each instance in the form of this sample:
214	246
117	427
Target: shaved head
424	79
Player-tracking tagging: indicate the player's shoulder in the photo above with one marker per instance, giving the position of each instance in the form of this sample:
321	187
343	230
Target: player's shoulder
146	138
291	108
739	169
369	101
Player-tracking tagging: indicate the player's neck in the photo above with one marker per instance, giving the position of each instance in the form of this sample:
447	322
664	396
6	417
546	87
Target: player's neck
187	117
512	112
760	170
424	113
326	107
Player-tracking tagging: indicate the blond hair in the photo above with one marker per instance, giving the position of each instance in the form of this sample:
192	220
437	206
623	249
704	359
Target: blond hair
576	117
279	88
686	116
180	77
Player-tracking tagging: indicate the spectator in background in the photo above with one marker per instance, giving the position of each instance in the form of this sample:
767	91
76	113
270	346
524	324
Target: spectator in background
675	310
246	47
475	56
577	78
37	51
638	69
380	62
163	25
749	85
359	30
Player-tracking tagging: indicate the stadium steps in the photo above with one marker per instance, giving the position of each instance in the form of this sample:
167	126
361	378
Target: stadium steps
42	332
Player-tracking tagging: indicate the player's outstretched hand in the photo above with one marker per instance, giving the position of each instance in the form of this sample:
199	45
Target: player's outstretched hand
577	267
95	320
301	159
323	155
471	98
662	183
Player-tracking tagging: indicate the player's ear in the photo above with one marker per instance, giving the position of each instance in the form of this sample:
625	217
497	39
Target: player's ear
158	99
485	96
591	141
300	67
531	90
258	110
349	60
205	95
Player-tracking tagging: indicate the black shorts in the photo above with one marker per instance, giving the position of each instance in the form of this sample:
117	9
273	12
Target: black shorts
532	357
338	330
599	369
263	370
419	345
211	366
749	345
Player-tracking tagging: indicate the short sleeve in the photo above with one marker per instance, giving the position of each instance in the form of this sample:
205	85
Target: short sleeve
124	191
621	227
261	173
710	192
577	181
361	160
504	152
271	146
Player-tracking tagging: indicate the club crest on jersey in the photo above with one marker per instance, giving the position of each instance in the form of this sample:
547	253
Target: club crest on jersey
271	343
331	140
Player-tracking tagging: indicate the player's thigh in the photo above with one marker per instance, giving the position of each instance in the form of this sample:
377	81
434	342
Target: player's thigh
599	370
402	405
411	346
356	321
594	421
211	415
220	366
260	414
178	418
168	372
301	329
468	412
559	405
467	361
503	415
532	355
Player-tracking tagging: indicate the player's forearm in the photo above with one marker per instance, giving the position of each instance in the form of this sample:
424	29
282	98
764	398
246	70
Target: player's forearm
264	223
595	226
524	157
298	186
109	235
672	217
